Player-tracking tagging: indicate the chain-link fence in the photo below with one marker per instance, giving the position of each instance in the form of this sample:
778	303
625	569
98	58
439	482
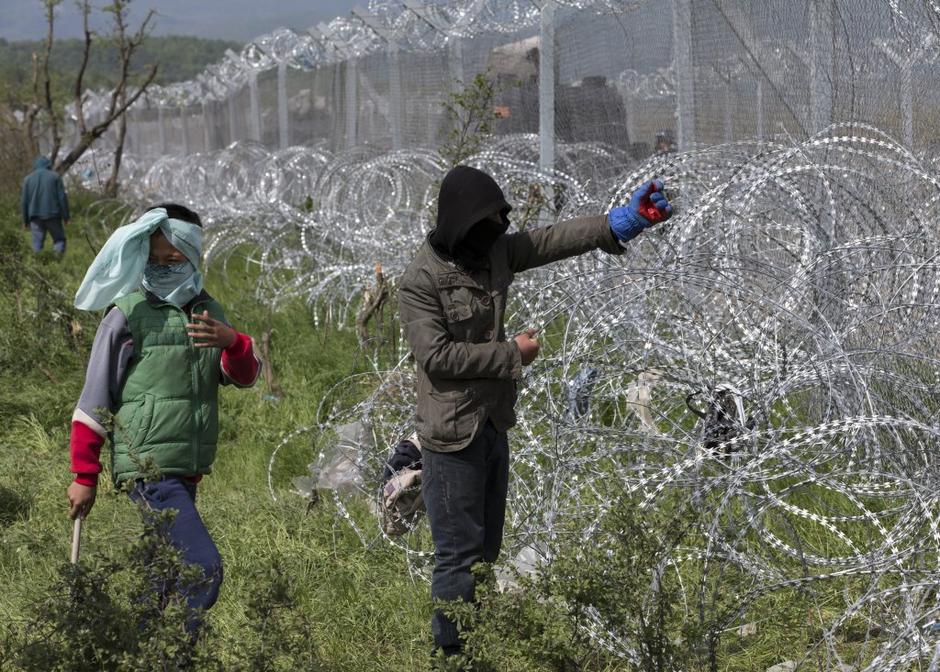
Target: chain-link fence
769	354
644	76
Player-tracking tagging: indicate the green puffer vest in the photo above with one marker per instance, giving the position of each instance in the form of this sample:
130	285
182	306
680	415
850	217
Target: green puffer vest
168	412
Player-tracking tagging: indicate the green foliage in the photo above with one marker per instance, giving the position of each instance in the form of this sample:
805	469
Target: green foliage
44	338
180	58
301	590
619	586
527	628
280	631
470	113
107	615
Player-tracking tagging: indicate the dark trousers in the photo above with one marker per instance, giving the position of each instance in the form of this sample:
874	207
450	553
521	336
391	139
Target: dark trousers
465	496
189	535
39	227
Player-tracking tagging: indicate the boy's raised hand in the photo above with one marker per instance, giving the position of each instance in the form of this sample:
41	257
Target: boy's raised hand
81	499
209	333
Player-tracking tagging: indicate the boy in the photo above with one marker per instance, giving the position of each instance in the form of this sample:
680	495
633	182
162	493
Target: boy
159	355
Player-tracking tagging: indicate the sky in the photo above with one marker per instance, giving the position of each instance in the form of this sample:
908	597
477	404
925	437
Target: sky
238	20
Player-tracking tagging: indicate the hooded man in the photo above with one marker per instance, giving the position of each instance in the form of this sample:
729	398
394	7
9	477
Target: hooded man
452	301
45	205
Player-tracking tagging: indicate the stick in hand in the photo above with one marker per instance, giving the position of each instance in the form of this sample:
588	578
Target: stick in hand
76	539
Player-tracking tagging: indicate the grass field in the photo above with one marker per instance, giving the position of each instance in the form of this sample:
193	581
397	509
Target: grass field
362	604
339	605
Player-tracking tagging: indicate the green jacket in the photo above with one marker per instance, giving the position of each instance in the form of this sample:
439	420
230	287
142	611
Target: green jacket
453	321
168	410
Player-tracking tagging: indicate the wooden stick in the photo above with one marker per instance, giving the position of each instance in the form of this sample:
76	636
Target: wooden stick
372	300
268	368
76	539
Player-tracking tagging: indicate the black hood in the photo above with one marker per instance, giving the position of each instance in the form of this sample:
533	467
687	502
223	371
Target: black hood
467	197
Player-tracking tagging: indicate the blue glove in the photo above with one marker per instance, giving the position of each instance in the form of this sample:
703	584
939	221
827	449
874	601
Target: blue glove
648	206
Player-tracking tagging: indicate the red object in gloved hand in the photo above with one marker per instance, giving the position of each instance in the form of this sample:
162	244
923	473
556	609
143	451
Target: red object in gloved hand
651	205
648	206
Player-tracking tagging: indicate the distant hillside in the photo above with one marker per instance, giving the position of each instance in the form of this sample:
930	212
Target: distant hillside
179	57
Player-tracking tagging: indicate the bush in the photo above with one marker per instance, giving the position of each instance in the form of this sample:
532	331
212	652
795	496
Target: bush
621	593
104	615
107	615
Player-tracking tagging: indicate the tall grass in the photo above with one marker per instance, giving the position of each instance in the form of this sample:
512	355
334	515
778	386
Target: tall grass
361	607
301	591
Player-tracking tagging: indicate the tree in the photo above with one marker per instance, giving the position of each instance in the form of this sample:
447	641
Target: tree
126	47
471	114
45	107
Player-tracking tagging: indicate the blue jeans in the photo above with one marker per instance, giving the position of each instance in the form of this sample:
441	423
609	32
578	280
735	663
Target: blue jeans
54	226
189	535
465	496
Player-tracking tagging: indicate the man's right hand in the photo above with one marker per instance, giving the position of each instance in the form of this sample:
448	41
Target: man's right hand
528	345
81	499
648	206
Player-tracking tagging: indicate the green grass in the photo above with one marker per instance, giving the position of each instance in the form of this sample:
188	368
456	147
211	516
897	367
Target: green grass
364	609
362	603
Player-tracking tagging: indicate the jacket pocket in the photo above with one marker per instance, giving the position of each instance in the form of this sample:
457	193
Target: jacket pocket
448	417
458	304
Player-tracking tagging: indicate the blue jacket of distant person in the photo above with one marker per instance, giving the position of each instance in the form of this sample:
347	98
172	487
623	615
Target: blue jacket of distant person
44	194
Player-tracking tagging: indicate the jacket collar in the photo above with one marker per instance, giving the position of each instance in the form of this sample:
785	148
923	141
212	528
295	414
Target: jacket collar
155	301
453	272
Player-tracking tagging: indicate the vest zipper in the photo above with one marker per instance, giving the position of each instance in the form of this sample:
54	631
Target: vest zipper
197	407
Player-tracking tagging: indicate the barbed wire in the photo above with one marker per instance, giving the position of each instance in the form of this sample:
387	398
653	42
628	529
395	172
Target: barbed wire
769	354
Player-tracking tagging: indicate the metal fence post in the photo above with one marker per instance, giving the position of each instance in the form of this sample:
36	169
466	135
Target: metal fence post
907	103
547	90
232	126
206	132
184	130
352	105
820	18
161	129
760	109
394	95
255	121
685	90
283	118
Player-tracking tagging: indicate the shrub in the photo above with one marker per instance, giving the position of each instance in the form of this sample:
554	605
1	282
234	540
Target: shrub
107	615
616	598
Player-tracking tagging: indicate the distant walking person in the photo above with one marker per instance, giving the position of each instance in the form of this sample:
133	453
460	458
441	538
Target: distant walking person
45	205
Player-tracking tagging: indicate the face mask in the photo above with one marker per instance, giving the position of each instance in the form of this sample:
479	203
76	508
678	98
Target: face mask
473	250
177	283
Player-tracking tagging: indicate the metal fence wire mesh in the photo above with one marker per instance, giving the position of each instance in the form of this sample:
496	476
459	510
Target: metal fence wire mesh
630	74
794	299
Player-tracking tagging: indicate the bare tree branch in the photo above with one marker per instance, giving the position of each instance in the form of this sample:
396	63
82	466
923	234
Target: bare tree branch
43	112
96	131
32	112
53	118
119	101
126	49
85	7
